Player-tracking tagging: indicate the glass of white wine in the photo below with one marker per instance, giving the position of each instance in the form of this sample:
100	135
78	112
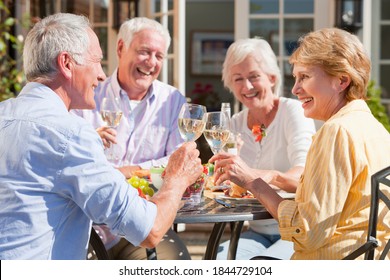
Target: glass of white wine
217	130
111	113
191	121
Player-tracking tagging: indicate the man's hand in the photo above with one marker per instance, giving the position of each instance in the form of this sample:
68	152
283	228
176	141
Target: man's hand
108	135
128	170
184	165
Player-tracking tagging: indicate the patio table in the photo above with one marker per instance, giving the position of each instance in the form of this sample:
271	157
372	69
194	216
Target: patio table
209	211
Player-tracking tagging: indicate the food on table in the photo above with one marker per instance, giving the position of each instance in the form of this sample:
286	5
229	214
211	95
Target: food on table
148	191
195	187
237	191
208	172
142	185
209	183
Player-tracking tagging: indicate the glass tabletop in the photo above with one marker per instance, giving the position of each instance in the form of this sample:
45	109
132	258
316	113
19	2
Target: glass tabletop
209	211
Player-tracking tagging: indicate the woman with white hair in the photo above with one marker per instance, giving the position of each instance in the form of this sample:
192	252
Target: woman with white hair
276	135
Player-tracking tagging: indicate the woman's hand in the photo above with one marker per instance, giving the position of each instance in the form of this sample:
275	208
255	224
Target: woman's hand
108	135
237	171
233	168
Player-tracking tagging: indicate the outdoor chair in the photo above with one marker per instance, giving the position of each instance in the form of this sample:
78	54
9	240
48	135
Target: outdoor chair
97	246
379	183
98	251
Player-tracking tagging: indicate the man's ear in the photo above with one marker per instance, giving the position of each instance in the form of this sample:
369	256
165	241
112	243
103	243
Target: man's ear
120	48
65	64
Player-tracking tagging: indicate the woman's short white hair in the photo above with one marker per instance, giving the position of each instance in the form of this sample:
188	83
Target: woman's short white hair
62	32
261	51
137	24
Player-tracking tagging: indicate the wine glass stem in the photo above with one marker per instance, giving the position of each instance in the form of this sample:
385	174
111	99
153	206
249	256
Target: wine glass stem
110	153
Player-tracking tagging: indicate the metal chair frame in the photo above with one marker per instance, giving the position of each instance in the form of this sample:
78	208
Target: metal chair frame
98	246
368	248
101	252
376	194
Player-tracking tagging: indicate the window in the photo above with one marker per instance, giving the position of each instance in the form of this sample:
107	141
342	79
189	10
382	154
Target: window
281	23
96	10
171	14
384	55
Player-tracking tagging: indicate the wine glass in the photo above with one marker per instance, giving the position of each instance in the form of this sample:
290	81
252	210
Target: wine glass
191	121
111	113
217	130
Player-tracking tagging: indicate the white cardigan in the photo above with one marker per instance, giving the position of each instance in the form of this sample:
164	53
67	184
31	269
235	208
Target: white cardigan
285	146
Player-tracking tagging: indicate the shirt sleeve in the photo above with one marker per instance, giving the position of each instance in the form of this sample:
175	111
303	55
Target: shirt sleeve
311	220
101	191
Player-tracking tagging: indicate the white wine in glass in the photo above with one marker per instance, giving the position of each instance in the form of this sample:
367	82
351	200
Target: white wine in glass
191	121
217	130
111	113
111	118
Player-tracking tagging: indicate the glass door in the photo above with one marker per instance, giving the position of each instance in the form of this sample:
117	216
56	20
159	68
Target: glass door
281	23
171	14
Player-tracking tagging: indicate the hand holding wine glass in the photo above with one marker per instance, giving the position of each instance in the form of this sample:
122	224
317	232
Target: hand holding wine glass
217	130
111	113
191	121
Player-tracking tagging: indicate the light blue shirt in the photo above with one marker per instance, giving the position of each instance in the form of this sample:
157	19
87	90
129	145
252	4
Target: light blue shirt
148	134
55	180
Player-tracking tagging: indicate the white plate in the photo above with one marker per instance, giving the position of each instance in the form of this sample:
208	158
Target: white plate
285	195
238	199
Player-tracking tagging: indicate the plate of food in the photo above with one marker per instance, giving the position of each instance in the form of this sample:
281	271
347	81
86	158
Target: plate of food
286	195
239	194
249	200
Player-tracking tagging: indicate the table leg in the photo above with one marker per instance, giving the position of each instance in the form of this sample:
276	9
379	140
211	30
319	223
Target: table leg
213	243
235	228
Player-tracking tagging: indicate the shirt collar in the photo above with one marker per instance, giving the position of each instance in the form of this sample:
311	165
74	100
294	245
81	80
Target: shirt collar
43	91
354	105
150	95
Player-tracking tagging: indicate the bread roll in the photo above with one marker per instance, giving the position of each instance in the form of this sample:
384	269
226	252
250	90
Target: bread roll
237	191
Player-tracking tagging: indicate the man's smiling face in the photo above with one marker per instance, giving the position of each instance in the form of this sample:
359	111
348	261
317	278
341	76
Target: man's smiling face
140	63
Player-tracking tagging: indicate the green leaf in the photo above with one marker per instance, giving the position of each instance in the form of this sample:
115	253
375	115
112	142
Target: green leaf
9	21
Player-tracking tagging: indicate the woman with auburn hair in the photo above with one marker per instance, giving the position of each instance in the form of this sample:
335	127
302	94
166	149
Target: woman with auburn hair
329	217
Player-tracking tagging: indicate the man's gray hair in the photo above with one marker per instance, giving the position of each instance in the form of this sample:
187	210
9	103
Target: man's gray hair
49	37
134	25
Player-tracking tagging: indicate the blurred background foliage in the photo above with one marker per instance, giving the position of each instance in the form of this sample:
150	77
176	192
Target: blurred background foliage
11	74
376	107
